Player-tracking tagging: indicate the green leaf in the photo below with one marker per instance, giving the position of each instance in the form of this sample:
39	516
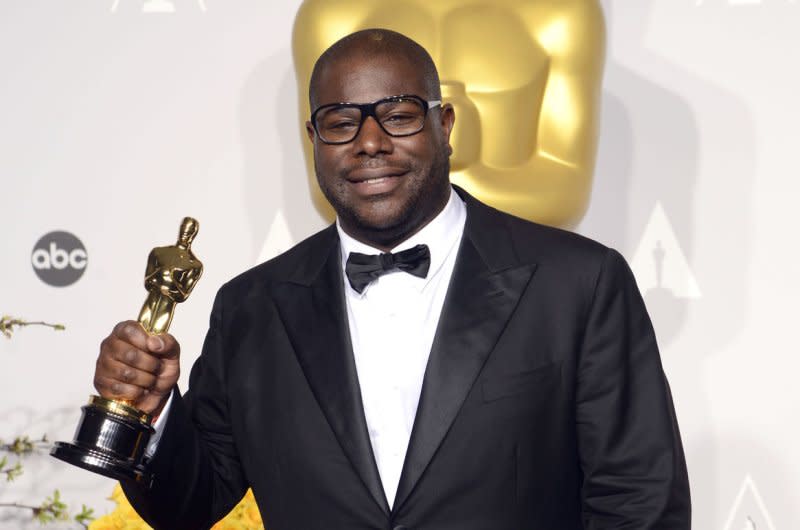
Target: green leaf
85	516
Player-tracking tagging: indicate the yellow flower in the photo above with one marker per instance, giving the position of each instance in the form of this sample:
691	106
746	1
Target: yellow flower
253	516
106	522
244	516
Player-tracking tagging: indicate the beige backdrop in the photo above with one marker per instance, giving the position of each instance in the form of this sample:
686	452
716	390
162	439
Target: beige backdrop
115	122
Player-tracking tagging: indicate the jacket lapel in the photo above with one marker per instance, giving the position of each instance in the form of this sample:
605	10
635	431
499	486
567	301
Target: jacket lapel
313	311
487	283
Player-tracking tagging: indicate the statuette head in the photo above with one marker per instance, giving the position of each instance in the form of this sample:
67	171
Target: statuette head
188	229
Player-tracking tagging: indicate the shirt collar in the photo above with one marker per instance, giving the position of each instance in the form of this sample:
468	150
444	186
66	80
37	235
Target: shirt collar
441	234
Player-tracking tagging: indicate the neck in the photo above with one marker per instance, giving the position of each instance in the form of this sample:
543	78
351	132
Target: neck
385	239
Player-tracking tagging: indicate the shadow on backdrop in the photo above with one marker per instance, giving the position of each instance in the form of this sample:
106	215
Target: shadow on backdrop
274	185
652	155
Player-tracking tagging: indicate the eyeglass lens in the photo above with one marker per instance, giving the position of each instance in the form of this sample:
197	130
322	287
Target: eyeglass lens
398	117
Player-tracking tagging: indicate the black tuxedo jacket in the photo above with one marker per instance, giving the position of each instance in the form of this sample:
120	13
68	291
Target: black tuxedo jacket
544	404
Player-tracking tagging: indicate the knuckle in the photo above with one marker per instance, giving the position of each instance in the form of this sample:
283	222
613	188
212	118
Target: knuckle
126	374
119	329
125	330
130	355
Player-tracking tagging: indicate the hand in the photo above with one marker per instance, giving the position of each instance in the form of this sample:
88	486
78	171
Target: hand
137	367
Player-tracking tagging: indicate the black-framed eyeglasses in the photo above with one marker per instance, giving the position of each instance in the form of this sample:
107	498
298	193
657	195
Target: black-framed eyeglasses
340	123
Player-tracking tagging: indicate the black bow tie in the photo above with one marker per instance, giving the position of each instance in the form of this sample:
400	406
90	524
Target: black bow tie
363	269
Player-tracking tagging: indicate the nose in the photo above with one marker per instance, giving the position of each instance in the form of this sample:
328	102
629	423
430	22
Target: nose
372	139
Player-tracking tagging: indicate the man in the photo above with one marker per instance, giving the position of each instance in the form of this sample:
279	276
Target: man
503	376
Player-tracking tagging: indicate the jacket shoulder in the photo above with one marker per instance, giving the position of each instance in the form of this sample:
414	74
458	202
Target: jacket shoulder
569	265
551	244
533	242
295	262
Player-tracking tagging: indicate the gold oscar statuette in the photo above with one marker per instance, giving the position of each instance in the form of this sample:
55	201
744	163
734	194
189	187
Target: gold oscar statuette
112	435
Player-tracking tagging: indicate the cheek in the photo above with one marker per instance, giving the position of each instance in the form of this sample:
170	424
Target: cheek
326	162
423	151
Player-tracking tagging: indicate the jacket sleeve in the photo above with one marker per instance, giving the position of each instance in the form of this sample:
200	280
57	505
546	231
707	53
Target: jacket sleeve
630	448
197	474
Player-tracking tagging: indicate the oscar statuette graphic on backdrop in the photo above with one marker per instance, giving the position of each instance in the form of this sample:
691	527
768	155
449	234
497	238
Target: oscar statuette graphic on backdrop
523	76
112	435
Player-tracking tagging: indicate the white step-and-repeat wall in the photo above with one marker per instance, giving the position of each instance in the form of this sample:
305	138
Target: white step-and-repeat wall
116	121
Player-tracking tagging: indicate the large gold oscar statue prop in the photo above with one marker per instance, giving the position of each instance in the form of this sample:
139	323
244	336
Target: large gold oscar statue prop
112	435
524	78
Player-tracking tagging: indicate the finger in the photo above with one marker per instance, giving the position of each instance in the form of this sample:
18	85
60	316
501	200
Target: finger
112	389
135	358
163	385
151	402
164	345
131	332
129	375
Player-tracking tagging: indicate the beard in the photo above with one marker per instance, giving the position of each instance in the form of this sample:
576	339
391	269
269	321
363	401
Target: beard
425	194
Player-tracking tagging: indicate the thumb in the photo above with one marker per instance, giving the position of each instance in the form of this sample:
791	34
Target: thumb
164	345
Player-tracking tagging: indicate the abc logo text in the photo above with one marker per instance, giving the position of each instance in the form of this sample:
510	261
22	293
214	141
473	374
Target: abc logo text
59	259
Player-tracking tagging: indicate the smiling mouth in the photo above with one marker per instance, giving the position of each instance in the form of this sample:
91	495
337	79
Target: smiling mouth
374	176
375	180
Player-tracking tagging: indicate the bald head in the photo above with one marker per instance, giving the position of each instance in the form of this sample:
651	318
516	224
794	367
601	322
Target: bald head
376	44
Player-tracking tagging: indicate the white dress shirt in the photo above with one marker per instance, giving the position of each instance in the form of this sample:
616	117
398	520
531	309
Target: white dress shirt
392	326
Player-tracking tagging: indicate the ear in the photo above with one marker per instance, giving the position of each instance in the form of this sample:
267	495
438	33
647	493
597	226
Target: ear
447	117
310	131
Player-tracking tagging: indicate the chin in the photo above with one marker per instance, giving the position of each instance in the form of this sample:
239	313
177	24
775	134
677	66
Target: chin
381	223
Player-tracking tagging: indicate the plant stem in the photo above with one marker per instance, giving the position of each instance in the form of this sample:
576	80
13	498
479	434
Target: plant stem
18	505
41	323
24	445
7	324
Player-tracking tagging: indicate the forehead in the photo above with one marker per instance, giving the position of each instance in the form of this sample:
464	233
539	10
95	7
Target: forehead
363	79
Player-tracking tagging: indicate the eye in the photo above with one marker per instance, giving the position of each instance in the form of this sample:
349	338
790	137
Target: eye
339	119
341	124
399	118
400	114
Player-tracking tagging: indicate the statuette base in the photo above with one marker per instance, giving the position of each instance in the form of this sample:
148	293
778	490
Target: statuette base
110	440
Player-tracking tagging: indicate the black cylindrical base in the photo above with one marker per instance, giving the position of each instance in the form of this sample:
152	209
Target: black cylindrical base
108	443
